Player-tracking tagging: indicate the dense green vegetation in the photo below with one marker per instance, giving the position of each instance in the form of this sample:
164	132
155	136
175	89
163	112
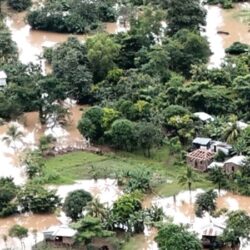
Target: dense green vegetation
143	87
172	237
83	165
226	4
19	5
74	16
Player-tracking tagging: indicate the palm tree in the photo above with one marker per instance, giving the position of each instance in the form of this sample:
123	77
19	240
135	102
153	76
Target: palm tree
232	132
218	177
96	209
13	135
188	178
240	146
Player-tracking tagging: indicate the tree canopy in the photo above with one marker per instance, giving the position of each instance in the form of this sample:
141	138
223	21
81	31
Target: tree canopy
172	237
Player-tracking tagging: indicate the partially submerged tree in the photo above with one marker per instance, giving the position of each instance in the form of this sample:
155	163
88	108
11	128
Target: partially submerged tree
75	203
13	135
96	209
205	202
8	191
19	232
35	198
89	228
34	164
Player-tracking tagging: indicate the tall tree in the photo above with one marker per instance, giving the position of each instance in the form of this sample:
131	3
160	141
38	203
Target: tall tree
186	48
148	136
90	124
185	14
122	134
102	51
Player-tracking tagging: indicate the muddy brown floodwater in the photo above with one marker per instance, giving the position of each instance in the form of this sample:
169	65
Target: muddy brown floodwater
30	42
227	200
237	28
31	221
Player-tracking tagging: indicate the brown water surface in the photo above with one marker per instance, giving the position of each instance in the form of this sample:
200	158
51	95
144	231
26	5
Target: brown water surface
30	42
238	29
30	221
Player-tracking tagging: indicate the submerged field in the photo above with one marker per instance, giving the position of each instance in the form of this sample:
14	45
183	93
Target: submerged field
65	169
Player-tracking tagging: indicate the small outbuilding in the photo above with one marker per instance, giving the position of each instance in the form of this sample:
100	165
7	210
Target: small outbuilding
200	159
210	236
3	78
60	235
202	143
233	164
217	146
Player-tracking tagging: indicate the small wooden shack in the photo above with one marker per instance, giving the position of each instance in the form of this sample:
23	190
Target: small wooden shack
200	159
60	235
233	164
210	236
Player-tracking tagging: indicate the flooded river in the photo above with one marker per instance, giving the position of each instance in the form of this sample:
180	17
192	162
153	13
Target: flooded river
225	20
30	44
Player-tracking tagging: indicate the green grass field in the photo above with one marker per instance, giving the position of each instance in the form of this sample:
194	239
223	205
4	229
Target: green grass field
65	169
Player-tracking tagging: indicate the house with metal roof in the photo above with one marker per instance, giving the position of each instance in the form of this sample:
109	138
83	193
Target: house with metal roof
217	146
234	163
60	235
202	142
210	235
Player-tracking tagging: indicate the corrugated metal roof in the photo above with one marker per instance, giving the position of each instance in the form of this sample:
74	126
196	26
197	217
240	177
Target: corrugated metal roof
237	160
212	230
60	231
204	116
201	140
3	74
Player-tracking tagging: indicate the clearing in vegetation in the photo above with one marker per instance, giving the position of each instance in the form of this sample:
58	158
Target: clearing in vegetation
65	169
